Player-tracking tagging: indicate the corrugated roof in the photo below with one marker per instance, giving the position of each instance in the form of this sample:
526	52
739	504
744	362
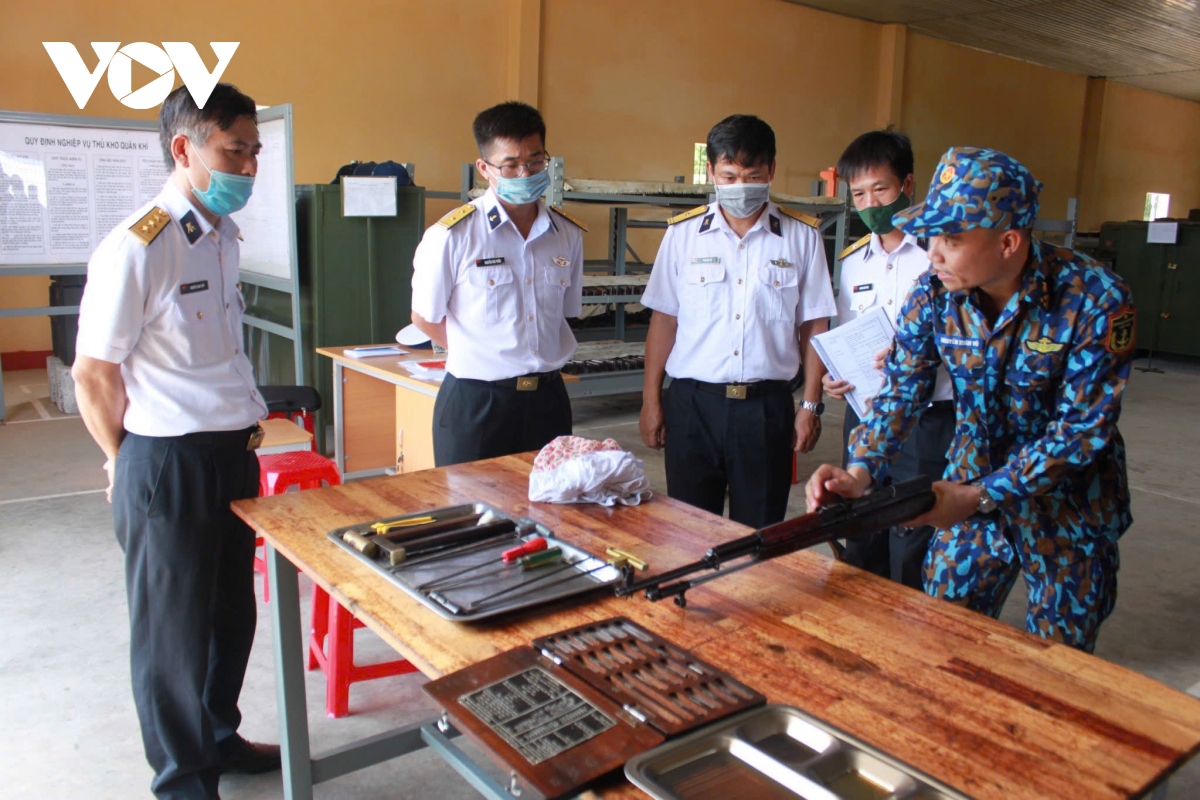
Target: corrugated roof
1150	44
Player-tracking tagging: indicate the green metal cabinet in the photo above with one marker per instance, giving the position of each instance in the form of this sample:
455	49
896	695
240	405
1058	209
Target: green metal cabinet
355	285
1165	281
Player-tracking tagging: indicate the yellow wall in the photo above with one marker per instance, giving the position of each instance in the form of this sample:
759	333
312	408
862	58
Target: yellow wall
1148	143
627	87
366	80
956	96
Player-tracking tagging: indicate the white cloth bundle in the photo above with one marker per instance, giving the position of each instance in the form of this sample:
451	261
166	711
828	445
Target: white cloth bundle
572	469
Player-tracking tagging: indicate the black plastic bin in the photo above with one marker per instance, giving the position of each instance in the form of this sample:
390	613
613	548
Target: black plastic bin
65	290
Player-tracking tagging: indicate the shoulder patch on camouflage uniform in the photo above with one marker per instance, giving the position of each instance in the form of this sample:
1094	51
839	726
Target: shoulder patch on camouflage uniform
801	216
694	212
150	226
578	223
854	248
456	216
1121	326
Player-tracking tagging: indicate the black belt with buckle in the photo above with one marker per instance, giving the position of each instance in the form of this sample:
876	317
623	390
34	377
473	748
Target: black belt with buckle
529	383
742	391
245	439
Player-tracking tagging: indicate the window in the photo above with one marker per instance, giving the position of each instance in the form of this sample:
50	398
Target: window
1156	206
699	160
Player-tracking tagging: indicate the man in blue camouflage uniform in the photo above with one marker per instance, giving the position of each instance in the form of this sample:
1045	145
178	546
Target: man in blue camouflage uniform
1038	341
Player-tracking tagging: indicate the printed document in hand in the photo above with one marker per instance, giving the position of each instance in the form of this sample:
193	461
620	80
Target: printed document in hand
849	354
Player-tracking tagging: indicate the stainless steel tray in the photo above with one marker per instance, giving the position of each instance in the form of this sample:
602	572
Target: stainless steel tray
777	752
410	575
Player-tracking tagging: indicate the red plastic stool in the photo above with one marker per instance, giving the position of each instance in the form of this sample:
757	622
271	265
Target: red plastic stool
331	639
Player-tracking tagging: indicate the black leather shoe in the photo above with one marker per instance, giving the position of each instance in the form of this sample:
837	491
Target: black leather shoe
247	758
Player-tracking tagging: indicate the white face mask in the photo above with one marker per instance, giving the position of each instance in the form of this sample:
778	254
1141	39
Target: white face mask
741	200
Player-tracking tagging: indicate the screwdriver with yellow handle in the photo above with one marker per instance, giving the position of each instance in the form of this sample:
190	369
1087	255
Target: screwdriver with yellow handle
384	527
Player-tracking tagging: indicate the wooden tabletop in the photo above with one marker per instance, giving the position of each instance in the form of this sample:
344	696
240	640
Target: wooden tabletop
388	367
975	703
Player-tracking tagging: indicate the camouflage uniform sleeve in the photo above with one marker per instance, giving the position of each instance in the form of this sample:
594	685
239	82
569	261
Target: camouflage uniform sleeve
909	376
1087	405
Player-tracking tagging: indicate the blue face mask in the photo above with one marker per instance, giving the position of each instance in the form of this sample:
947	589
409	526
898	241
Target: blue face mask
524	190
226	192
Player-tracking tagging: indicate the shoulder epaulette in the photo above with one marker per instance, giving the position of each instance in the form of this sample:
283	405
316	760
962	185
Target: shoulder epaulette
801	216
854	248
578	223
456	216
694	212
150	226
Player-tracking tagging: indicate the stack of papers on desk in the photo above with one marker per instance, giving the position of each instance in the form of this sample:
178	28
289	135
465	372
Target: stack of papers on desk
848	352
374	350
425	371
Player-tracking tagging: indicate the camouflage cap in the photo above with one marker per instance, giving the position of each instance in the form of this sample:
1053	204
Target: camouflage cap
974	187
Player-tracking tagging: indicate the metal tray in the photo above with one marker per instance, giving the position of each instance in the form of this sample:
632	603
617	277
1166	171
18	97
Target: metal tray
409	575
777	752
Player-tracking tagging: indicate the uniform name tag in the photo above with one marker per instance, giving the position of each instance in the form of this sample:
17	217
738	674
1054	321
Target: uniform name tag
707	260
958	341
197	286
864	287
489	262
782	263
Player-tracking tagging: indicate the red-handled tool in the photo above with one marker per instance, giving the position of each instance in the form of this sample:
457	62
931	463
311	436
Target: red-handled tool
534	545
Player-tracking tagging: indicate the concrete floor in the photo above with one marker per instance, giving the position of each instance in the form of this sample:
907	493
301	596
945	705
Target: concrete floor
70	728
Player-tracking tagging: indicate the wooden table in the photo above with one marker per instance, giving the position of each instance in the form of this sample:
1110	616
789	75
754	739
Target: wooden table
974	703
382	415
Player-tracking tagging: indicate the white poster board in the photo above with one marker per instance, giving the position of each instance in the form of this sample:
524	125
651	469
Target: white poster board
267	222
66	181
63	188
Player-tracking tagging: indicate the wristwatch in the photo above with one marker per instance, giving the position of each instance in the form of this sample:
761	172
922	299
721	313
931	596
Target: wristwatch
817	409
987	504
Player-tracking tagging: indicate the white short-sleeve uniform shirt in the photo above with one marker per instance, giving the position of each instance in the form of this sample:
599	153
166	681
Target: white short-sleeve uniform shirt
739	302
505	298
170	313
873	278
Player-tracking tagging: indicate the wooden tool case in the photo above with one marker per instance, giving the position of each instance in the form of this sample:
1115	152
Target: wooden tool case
580	703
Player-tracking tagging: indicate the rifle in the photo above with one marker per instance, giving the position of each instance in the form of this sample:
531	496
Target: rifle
890	505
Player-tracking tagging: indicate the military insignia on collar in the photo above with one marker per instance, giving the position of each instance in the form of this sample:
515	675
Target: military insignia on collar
706	223
191	227
773	222
782	263
1121	327
1044	345
561	262
493	218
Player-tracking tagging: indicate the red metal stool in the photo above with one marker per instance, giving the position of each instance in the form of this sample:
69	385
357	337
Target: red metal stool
331	638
